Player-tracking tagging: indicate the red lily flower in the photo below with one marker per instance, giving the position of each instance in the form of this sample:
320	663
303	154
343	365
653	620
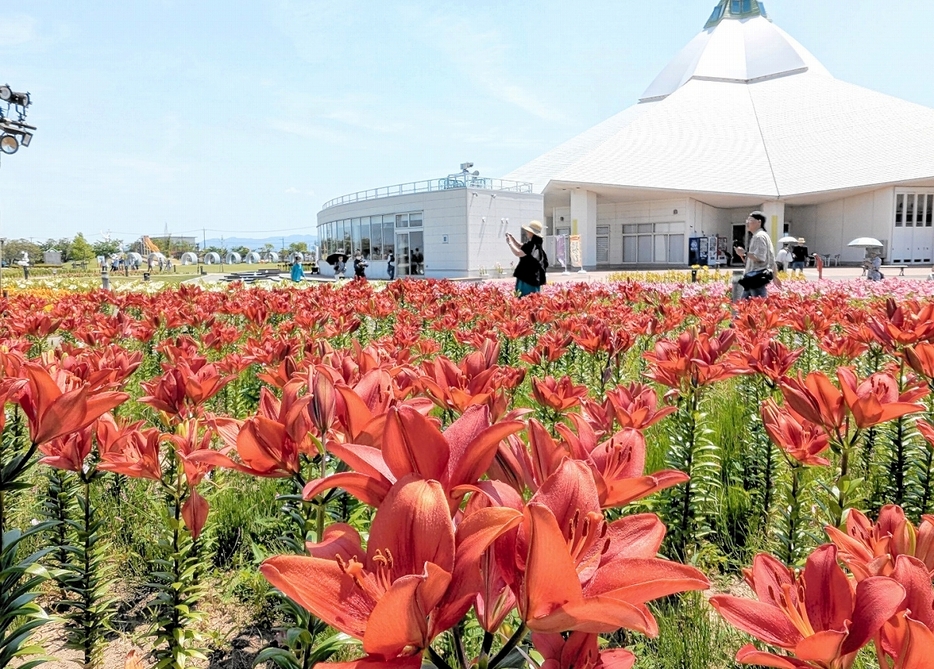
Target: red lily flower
817	615
558	395
412	443
636	406
896	639
183	389
617	464
135	453
800	439
55	407
407	586
694	359
871	549
921	359
579	651
771	359
816	400
583	574
68	452
263	446
876	400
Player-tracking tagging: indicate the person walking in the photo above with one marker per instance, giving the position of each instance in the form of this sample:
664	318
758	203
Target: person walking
760	257
298	274
391	265
533	261
359	266
799	255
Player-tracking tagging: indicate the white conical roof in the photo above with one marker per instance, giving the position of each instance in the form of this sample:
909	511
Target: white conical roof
739	51
745	110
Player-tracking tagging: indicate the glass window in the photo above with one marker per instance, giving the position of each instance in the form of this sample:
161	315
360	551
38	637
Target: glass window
646	227
929	216
899	210
355	234
676	249
365	236
909	210
346	246
630	229
376	238
630	248
415	220
747	6
735	6
717	13
762	10
661	248
645	248
389	236
402	221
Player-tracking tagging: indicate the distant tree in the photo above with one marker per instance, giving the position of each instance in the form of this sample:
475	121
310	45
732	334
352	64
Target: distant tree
267	247
216	249
13	250
173	245
242	250
301	247
107	247
80	249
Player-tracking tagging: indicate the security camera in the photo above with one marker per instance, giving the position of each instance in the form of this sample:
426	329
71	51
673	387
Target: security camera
466	166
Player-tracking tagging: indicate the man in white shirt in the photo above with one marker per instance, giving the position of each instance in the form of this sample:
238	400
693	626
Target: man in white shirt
761	254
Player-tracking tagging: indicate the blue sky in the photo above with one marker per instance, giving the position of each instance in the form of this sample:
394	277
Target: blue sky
244	117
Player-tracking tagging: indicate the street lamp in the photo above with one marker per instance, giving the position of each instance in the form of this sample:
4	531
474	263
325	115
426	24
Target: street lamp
14	133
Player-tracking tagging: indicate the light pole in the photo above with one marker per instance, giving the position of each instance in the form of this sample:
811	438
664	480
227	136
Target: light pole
13	134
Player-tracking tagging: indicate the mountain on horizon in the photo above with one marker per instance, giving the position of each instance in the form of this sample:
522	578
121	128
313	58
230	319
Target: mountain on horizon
279	242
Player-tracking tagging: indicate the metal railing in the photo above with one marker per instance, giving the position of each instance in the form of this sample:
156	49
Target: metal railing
432	185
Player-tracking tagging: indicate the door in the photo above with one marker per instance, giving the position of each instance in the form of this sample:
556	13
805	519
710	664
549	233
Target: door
913	236
402	254
603	244
739	239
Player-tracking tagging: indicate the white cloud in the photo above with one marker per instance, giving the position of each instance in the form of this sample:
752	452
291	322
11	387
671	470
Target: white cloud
481	55
16	30
292	191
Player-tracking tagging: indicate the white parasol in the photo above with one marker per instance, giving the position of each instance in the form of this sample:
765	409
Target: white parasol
788	240
865	242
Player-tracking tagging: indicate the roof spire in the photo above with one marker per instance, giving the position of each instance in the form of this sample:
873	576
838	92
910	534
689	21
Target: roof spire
735	9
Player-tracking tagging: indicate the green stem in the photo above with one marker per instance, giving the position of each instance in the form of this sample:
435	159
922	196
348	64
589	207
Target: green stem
437	660
841	495
689	461
321	504
458	632
794	514
507	649
88	594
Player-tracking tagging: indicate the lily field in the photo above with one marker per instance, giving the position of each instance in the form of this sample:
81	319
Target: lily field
427	473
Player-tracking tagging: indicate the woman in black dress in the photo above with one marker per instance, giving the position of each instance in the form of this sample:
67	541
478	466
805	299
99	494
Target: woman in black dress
530	272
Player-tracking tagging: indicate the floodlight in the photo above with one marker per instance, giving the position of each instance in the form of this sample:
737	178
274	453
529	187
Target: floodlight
9	145
27	137
466	166
9	95
476	173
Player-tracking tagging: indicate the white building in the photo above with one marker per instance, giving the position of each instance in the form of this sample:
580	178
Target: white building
742	118
451	227
745	118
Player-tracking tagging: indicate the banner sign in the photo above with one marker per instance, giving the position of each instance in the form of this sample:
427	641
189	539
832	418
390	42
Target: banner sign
561	250
575	242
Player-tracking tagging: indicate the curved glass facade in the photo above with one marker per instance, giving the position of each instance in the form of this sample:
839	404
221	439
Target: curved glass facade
375	236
